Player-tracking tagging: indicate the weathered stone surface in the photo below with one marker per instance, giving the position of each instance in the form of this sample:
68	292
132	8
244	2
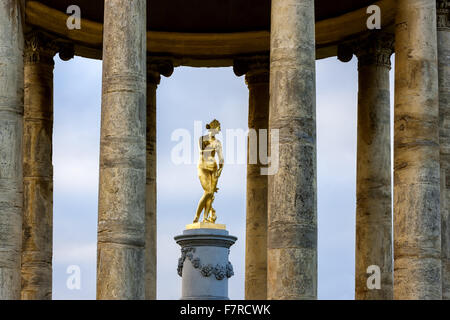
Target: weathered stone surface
37	168
155	67
417	220
443	43
256	70
373	182
292	196
11	128
121	224
150	201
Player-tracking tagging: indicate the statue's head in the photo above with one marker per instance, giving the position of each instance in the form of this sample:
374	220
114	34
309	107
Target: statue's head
213	126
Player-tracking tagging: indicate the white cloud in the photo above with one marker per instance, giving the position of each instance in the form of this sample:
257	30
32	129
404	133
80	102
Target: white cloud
75	253
76	174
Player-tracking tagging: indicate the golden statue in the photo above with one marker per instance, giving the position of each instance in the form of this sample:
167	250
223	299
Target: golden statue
209	172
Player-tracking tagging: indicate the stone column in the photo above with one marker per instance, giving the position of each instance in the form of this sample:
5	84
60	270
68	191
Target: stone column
373	182
37	224
256	70
417	220
292	196
443	46
155	67
121	220
11	129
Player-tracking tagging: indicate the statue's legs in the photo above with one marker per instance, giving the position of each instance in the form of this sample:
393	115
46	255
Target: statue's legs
205	177
209	202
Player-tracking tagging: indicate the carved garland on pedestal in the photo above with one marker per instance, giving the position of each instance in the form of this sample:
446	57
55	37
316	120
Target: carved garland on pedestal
219	271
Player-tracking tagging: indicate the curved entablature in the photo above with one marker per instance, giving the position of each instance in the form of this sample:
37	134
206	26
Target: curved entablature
221	40
211	16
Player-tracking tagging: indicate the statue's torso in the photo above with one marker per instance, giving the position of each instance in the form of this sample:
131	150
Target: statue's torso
208	152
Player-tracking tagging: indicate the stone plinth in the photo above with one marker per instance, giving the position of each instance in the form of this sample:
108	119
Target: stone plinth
205	225
204	265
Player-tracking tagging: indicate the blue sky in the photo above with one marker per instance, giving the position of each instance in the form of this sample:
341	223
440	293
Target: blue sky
198	94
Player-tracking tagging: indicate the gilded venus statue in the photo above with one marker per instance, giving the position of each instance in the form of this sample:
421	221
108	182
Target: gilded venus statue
208	171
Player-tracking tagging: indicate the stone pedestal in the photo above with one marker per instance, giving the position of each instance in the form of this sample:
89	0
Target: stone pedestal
204	264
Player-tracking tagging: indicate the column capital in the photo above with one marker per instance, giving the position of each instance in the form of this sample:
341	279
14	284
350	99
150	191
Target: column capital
41	47
442	11
157	66
374	49
256	68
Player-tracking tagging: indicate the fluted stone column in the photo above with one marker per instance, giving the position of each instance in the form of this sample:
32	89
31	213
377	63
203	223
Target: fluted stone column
121	221
373	182
417	220
155	67
37	168
292	196
256	70
443	46
11	129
